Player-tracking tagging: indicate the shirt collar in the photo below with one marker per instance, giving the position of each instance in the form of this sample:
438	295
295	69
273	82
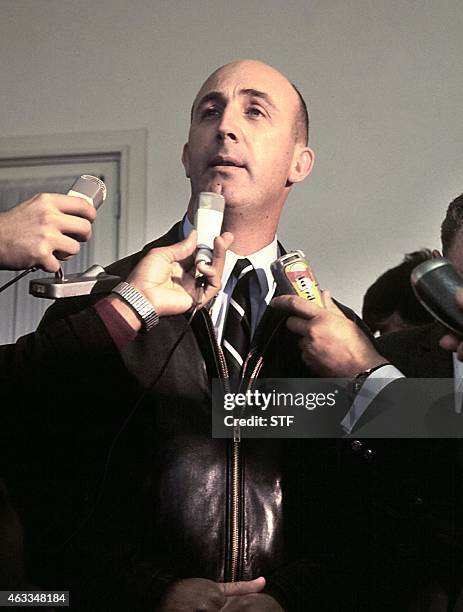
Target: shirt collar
261	261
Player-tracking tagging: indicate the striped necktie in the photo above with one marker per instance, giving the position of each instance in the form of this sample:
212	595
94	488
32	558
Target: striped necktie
237	329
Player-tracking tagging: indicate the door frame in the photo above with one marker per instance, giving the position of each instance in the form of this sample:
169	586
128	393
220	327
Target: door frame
131	148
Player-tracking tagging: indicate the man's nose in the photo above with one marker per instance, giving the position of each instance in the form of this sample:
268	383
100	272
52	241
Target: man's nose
228	128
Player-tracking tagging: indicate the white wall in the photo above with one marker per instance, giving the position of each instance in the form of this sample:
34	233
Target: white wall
383	79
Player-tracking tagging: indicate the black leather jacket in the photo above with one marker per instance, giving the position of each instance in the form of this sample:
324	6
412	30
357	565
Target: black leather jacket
178	503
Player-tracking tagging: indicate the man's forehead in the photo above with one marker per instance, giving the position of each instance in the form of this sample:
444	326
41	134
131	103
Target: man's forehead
246	77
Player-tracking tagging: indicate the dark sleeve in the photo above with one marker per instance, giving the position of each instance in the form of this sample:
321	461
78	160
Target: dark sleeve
79	336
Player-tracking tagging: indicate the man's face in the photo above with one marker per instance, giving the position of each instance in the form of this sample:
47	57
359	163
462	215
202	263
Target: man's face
242	136
455	253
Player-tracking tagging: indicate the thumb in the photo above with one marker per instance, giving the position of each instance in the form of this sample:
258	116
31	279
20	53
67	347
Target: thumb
230	589
328	302
449	342
183	249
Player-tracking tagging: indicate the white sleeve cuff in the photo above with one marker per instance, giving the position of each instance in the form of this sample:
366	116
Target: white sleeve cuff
372	387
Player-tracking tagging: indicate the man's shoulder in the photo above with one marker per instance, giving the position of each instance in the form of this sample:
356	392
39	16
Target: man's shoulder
122	268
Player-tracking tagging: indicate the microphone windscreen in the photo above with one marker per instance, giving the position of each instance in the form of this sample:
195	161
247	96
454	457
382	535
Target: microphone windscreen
91	188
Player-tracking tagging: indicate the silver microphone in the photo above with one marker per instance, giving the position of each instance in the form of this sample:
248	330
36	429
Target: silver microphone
89	188
208	222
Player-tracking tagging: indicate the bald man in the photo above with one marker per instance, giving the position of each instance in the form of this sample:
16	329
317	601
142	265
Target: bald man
189	522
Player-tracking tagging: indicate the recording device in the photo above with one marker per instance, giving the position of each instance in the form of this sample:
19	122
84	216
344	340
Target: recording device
208	222
93	280
435	282
293	276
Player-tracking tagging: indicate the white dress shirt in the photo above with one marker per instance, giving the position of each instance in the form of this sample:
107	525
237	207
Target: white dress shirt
261	288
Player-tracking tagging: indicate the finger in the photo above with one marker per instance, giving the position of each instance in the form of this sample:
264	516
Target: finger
71	205
185	248
229	589
64	246
298	326
179	251
449	342
297	306
78	228
49	263
221	244
328	302
210	272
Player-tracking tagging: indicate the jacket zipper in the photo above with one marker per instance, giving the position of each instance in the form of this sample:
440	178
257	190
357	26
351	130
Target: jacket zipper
233	528
235	506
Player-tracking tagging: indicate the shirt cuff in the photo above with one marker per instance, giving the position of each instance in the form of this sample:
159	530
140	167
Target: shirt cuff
118	328
374	384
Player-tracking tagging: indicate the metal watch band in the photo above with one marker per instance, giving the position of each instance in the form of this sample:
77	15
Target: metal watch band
138	303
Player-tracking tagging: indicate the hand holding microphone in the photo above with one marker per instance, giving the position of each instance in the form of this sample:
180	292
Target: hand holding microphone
166	278
49	226
330	343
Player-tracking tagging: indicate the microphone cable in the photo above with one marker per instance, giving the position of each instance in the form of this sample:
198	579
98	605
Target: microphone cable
17	277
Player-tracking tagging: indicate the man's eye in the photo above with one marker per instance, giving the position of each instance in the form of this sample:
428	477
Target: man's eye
211	111
254	111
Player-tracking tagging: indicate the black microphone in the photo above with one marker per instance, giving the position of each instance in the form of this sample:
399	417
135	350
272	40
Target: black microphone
435	282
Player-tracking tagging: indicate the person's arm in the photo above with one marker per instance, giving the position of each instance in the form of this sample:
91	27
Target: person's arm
165	277
333	345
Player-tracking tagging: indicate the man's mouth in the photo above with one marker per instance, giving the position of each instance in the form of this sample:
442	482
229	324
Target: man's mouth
221	161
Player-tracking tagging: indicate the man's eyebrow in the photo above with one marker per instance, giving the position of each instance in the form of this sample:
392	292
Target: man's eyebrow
217	96
212	95
255	93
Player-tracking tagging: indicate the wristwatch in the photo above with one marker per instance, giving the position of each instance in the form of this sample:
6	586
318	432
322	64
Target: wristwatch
358	381
139	304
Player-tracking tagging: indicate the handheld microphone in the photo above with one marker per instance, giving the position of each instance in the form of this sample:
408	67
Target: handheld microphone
208	222
294	276
435	282
92	190
89	188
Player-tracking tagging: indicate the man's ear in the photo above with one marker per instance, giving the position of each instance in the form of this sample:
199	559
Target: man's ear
436	254
301	165
186	160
